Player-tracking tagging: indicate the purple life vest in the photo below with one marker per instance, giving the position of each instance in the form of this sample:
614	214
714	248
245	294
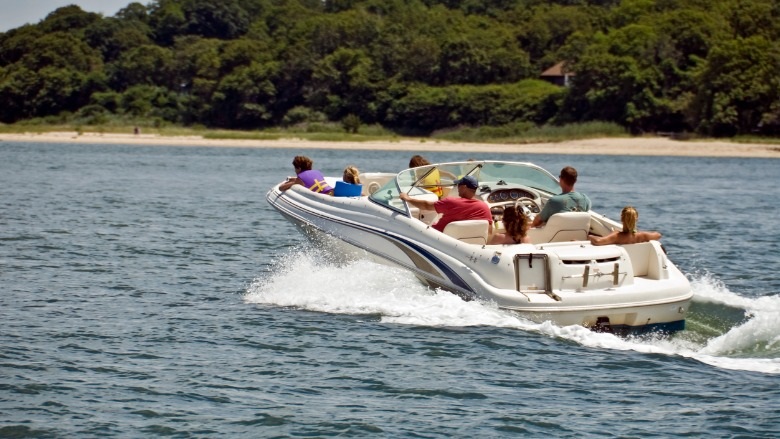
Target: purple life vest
315	181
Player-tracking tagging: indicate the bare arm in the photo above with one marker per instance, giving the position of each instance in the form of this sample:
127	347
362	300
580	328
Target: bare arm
624	238
604	240
648	236
420	204
289	183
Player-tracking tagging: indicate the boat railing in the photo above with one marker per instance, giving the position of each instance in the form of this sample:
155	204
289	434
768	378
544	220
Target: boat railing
616	275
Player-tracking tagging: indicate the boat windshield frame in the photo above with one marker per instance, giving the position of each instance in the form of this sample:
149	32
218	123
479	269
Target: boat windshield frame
418	182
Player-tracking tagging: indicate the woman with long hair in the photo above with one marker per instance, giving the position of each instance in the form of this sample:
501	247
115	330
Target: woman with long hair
629	235
515	227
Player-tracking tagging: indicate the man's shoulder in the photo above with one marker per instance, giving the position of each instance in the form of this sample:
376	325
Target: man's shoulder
580	194
559	199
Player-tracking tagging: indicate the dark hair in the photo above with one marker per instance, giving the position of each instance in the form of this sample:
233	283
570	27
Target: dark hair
303	163
417	160
515	222
569	175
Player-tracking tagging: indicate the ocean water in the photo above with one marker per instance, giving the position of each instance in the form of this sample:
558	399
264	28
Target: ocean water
151	291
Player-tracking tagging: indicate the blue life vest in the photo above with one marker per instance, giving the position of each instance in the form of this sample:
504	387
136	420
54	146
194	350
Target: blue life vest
344	189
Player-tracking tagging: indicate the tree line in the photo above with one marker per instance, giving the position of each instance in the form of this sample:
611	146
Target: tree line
710	67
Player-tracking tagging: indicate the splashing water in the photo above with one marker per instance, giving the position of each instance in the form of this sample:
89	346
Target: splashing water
727	331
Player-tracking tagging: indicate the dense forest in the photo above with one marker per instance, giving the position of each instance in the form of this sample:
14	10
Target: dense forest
710	67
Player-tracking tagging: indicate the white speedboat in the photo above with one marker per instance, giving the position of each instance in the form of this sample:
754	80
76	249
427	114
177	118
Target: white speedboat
561	277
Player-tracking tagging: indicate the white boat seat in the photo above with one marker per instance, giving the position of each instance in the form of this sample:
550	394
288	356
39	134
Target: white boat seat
470	231
564	226
646	259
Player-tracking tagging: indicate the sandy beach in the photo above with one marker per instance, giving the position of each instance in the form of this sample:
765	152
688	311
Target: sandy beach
636	146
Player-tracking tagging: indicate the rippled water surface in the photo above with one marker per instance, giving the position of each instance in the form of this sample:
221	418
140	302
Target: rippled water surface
151	291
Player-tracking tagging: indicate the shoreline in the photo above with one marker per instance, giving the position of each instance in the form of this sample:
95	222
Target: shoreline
628	146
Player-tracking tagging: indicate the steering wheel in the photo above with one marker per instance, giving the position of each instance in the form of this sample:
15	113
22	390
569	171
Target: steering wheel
530	204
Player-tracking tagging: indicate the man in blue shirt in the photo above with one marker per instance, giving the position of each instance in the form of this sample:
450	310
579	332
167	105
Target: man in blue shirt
567	201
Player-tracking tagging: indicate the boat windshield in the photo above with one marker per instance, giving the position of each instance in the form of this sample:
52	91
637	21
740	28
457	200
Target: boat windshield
432	179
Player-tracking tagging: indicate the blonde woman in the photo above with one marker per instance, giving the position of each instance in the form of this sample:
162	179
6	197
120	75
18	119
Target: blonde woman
629	235
515	225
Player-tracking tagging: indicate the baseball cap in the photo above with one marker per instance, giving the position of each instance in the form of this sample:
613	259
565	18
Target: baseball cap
469	181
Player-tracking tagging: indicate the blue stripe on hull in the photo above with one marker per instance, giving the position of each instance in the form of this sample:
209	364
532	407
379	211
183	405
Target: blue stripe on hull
460	286
654	328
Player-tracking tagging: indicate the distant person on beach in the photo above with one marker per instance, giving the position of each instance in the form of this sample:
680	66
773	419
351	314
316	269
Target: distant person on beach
464	207
567	201
432	181
629	235
307	177
515	226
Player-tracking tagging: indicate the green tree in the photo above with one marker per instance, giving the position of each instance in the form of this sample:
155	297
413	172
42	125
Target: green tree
134	11
68	19
224	19
61	50
148	64
149	101
245	98
739	89
481	51
37	93
112	37
549	28
344	83
167	20
754	18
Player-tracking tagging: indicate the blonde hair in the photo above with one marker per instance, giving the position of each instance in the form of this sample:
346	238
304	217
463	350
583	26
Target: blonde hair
351	175
629	217
515	222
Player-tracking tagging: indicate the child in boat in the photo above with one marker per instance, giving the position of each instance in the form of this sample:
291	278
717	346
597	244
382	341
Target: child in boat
351	175
432	181
306	176
350	185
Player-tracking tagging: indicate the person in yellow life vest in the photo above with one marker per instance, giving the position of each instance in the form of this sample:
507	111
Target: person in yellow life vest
432	181
306	176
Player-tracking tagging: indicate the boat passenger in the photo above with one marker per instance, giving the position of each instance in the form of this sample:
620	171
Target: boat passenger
350	185
567	201
629	234
515	225
432	181
351	175
306	176
464	207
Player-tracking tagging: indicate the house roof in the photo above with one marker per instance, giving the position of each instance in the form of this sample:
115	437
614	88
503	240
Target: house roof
557	70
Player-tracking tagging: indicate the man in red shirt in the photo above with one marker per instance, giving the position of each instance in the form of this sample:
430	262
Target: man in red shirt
465	207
